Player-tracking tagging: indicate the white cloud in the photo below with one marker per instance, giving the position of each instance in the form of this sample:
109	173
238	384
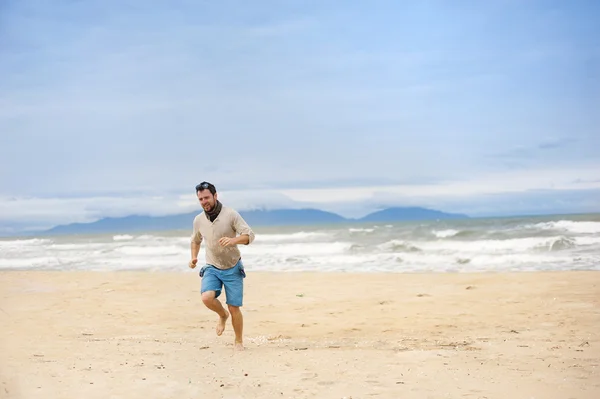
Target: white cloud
583	178
49	211
546	190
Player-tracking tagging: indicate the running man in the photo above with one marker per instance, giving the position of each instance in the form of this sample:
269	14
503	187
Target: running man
221	228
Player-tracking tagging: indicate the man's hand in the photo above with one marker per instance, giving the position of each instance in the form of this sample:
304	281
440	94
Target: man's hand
192	263
227	241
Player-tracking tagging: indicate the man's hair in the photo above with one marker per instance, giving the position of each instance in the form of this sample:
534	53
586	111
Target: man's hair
206	186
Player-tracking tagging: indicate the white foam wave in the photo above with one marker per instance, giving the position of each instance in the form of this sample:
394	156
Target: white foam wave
495	246
142	263
302	249
445	233
76	247
34	262
570	226
128	237
122	237
161	250
23	243
299	236
587	240
357	230
398	246
147	237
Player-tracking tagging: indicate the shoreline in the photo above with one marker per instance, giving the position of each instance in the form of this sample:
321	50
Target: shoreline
139	334
186	270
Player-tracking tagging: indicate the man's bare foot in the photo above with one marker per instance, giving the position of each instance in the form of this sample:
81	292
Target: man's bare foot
238	346
221	323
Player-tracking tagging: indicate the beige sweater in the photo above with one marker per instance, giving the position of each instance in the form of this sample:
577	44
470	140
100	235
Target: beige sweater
229	223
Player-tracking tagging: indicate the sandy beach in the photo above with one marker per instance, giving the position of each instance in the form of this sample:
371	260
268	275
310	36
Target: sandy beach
307	335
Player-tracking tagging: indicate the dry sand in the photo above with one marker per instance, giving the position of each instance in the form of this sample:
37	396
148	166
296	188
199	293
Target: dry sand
308	335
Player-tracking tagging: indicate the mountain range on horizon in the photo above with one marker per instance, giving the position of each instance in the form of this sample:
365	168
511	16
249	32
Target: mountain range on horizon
275	217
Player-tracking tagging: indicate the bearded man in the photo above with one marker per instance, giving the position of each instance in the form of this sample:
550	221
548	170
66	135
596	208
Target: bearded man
222	229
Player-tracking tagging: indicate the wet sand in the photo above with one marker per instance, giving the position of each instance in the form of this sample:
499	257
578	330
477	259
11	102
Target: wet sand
307	335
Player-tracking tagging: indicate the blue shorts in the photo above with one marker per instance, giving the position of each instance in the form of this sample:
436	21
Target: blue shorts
213	279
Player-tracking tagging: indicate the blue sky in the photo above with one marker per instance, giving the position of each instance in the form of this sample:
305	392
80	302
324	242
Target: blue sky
112	107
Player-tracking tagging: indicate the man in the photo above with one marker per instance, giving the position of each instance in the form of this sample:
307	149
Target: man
221	229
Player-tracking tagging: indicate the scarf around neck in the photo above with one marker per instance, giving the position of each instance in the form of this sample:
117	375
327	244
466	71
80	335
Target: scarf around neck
213	213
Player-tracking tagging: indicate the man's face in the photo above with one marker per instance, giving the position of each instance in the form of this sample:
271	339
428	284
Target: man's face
207	200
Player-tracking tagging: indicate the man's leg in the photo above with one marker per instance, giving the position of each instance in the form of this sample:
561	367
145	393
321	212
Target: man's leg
237	321
211	289
233	280
211	302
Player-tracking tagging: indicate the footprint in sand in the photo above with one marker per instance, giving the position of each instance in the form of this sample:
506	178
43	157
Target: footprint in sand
309	376
325	382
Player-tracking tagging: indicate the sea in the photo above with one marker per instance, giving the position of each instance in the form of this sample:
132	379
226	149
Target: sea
518	244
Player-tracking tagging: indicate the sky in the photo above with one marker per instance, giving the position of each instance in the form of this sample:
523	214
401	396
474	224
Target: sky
109	107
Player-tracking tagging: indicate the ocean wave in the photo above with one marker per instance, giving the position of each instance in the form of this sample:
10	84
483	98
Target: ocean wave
445	233
143	237
162	250
587	240
570	226
122	237
359	230
298	236
398	246
24	242
561	243
39	262
356	248
76	247
316	248
500	246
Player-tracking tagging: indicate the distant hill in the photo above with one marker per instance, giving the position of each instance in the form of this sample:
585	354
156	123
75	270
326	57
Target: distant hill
411	213
136	223
278	217
131	223
290	217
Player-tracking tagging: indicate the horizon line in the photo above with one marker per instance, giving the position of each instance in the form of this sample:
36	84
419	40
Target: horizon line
344	219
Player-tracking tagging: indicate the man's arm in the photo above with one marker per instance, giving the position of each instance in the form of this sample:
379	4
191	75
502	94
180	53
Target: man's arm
195	242
246	235
239	225
241	239
195	246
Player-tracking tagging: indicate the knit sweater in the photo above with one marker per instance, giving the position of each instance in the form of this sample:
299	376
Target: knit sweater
229	223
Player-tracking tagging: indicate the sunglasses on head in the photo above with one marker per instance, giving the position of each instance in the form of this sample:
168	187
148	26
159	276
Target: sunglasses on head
202	186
